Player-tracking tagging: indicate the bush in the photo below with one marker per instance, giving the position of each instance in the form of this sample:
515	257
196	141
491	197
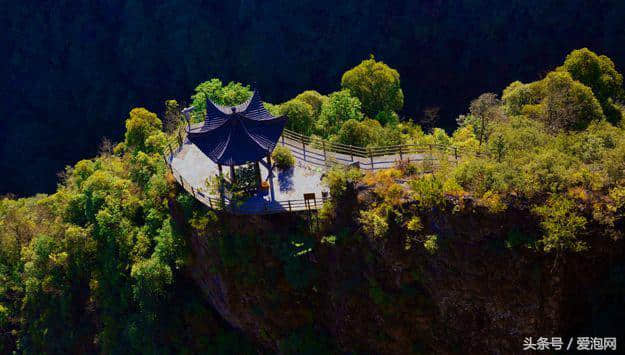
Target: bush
300	114
283	158
339	180
431	244
561	224
428	191
373	224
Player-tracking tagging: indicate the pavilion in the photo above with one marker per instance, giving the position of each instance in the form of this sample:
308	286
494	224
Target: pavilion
238	135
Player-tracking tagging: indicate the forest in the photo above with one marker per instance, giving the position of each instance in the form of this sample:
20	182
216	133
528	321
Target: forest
72	70
109	261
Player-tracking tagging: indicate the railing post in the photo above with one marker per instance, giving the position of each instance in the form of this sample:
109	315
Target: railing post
290	210
370	157
283	140
401	157
304	148
325	158
192	191
210	202
456	154
431	159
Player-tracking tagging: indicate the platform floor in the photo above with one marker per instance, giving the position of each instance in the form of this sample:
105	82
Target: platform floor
305	177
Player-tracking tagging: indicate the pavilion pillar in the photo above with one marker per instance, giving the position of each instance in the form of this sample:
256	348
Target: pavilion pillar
272	192
233	177
221	184
259	180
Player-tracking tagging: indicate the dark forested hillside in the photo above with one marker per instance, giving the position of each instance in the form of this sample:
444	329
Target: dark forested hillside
71	70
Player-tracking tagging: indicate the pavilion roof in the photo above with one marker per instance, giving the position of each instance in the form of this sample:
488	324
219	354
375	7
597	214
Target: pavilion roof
237	135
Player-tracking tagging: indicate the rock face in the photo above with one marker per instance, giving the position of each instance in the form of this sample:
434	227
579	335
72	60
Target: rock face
482	291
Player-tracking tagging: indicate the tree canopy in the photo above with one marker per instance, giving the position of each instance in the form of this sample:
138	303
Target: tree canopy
376	85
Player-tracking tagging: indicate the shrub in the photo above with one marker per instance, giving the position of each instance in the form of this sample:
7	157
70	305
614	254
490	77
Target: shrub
414	224
339	180
356	133
283	158
300	116
428	191
431	244
561	224
373	224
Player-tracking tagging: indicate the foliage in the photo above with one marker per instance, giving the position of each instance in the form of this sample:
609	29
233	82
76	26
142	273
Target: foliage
517	95
283	158
230	95
431	244
340	106
373	224
599	74
428	191
562	224
172	116
376	85
98	265
340	180
567	104
545	143
414	224
143	131
301	116
357	133
484	110
314	99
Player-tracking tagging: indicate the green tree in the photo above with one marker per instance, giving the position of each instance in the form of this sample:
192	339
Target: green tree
567	103
300	114
599	74
140	125
173	115
517	95
356	133
230	95
376	85
485	110
341	106
314	99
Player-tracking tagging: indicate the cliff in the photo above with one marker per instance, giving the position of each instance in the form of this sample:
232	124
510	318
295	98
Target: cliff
483	289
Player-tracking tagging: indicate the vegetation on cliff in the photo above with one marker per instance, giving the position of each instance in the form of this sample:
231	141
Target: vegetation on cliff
99	265
102	265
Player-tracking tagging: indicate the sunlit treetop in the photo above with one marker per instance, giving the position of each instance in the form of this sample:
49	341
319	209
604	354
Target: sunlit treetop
376	85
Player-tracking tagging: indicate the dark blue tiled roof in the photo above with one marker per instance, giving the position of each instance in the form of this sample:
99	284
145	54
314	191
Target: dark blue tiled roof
237	137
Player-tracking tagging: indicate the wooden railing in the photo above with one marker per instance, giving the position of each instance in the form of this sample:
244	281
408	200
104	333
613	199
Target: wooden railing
323	152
